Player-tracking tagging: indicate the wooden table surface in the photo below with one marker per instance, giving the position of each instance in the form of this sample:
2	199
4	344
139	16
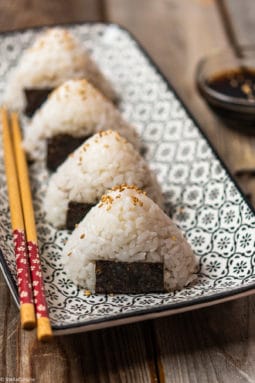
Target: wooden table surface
215	344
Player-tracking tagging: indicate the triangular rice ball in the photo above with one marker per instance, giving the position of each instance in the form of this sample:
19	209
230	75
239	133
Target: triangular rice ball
103	161
55	56
127	226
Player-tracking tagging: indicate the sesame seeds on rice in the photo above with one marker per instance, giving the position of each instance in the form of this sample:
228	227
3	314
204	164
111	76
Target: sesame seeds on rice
55	57
70	111
102	162
128	232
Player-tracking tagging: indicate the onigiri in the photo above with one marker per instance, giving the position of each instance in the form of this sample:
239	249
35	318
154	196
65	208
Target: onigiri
76	109
101	162
55	57
127	226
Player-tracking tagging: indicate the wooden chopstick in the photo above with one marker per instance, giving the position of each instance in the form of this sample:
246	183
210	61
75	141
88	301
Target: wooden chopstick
44	331
27	313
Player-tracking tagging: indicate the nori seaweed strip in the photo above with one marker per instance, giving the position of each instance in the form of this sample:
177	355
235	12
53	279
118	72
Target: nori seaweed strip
76	212
35	98
59	147
129	278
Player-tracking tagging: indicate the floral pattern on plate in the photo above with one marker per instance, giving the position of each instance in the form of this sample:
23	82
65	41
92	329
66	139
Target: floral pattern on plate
199	194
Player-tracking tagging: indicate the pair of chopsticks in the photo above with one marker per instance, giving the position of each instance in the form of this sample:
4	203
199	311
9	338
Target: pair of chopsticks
28	265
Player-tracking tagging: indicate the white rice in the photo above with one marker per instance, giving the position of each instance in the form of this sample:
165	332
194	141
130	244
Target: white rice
78	109
55	56
128	226
103	161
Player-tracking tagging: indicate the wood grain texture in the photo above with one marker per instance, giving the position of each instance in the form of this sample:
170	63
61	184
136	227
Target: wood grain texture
177	34
212	345
215	344
122	354
9	328
28	13
242	16
104	356
238	18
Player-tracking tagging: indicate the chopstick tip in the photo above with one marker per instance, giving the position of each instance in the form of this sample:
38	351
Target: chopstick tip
27	316
44	331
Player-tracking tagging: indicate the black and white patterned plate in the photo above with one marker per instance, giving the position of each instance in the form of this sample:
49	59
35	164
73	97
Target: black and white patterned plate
203	199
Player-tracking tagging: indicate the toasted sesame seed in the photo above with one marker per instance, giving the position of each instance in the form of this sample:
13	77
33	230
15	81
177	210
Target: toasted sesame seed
123	187
136	201
246	89
87	293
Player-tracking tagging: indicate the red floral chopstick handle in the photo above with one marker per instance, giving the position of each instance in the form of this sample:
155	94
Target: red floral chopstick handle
22	264
37	280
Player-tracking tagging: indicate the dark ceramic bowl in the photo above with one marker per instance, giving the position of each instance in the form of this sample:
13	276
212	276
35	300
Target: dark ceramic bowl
222	62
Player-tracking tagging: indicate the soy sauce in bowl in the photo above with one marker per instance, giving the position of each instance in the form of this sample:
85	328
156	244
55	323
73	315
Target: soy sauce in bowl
239	83
228	85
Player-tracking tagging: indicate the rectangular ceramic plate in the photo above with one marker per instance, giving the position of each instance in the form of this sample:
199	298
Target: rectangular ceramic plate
203	199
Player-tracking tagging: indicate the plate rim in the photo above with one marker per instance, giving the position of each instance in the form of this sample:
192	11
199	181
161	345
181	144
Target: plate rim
147	313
